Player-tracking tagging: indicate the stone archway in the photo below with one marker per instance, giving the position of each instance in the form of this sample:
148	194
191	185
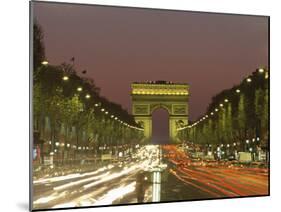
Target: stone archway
148	96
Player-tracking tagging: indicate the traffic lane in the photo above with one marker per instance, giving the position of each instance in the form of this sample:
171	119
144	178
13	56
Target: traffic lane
205	182
107	193
78	189
219	179
175	189
230	181
46	186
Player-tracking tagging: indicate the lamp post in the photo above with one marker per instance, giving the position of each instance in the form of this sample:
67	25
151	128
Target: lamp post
246	146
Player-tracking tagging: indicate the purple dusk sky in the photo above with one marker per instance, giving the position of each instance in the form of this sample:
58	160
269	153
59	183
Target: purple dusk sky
118	46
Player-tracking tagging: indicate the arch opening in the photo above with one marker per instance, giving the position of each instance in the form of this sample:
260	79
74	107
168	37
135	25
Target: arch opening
160	126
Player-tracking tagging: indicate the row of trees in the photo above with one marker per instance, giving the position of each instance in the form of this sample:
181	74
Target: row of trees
69	113
236	117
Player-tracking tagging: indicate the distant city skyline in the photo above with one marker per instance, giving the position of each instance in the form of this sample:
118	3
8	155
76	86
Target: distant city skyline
118	46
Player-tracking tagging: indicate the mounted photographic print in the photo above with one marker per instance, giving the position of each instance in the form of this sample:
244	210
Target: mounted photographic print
137	105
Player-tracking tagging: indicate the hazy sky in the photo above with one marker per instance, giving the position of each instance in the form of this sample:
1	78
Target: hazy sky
117	46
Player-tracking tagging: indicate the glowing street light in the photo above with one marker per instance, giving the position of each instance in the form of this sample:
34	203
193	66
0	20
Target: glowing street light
261	70
79	89
65	78
45	62
249	80
106	112
212	113
88	96
266	75
226	100
221	105
96	105
112	116
102	109
237	91
247	141
216	109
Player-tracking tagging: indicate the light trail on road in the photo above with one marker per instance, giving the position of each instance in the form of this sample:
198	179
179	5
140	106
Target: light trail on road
117	183
104	185
219	180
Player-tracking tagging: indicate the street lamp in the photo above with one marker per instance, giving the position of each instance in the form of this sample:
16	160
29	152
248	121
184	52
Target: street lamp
266	75
96	105
249	80
216	109
261	70
65	78
237	91
226	100
79	89
221	105
44	62
88	96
